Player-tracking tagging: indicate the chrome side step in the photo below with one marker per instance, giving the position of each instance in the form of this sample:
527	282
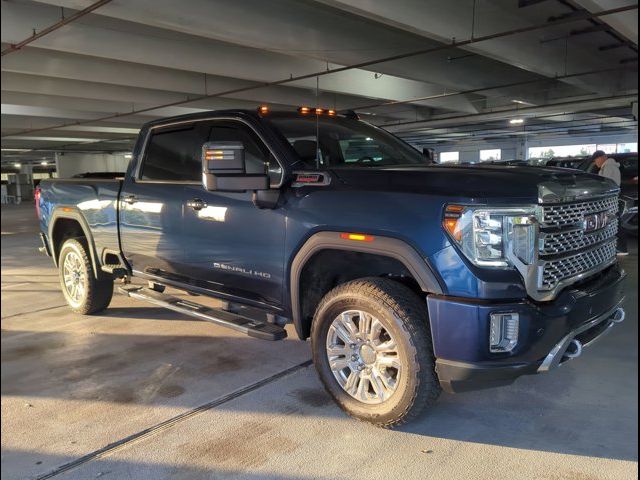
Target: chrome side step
248	326
118	271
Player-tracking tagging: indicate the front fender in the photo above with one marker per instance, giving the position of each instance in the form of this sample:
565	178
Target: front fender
397	249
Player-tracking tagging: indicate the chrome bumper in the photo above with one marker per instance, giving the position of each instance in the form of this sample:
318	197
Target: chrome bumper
571	347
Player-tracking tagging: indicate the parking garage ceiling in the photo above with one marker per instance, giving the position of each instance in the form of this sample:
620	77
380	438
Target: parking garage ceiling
428	70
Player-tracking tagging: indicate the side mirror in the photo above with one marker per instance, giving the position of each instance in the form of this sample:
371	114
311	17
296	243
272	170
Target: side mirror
223	169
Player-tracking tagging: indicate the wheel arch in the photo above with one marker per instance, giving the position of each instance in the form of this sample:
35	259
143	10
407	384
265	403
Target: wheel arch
392	252
69	219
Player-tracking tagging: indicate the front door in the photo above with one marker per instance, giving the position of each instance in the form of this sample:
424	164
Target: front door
152	202
232	247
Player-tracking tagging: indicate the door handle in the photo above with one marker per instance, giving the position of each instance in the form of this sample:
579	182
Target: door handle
130	199
196	204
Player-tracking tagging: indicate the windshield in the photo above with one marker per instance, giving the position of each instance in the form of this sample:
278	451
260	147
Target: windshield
344	142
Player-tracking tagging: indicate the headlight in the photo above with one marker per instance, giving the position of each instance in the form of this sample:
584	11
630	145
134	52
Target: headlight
492	236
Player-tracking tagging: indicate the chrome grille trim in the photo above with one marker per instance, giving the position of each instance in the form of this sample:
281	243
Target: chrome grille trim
569	214
556	271
553	243
564	252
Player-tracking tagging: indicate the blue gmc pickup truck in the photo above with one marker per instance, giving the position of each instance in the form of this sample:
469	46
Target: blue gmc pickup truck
408	277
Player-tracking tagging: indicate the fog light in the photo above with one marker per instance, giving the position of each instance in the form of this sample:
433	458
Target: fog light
503	334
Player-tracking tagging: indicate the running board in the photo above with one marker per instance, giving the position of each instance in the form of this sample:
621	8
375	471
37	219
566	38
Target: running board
248	326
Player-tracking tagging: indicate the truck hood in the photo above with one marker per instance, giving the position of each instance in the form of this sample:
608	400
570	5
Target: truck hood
467	181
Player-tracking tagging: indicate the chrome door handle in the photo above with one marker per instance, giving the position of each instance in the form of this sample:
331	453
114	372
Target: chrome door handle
196	204
130	199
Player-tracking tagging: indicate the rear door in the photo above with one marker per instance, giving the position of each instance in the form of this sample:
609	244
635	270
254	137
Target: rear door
232	247
152	202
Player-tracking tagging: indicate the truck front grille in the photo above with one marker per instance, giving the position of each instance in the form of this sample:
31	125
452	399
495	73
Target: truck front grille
576	239
567	214
566	250
555	271
571	237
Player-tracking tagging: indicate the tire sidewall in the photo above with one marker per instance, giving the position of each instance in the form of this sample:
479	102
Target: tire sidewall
78	249
403	396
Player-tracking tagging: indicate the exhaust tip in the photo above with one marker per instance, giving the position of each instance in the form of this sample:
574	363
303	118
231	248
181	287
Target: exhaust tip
574	349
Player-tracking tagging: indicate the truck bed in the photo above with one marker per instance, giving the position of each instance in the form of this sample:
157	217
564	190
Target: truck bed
94	200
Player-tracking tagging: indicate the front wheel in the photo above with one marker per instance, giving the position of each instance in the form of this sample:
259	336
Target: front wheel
83	292
372	350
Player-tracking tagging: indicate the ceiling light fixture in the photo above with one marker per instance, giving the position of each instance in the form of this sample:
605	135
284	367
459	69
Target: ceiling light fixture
44	162
17	165
516	121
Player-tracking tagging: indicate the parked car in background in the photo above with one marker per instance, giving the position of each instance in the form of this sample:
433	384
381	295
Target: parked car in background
563	162
507	163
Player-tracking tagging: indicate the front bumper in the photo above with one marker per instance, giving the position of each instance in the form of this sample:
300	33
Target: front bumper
460	332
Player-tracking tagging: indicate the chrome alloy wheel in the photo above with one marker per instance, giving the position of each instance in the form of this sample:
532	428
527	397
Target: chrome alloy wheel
363	356
74	277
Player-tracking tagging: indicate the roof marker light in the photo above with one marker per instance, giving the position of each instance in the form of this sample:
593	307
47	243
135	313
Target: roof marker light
331	112
319	111
263	109
304	110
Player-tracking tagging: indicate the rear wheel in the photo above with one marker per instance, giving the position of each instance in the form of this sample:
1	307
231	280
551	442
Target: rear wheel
83	292
372	350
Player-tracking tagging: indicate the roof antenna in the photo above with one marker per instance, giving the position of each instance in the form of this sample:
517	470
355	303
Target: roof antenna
317	123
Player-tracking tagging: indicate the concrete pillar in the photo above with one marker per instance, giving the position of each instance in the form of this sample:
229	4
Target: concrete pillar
522	148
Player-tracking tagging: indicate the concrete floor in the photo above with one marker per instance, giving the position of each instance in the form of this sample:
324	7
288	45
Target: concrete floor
140	392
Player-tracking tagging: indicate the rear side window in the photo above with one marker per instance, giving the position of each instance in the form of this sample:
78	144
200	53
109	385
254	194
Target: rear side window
174	154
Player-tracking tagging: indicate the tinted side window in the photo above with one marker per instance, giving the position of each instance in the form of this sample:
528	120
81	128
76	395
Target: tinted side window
174	154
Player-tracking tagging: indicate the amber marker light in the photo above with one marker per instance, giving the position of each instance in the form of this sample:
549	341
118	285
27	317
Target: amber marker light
304	110
214	155
319	111
263	109
331	113
452	215
358	237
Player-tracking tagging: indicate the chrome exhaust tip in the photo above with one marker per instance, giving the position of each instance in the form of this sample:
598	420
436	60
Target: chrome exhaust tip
619	315
574	349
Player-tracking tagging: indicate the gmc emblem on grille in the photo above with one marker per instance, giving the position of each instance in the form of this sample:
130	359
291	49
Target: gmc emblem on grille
595	221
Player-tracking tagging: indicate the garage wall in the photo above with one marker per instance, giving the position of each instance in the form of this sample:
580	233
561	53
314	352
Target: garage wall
518	148
470	152
583	139
69	164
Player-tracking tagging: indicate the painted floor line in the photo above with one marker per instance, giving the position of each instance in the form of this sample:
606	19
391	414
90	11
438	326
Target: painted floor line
14	285
33	311
112	447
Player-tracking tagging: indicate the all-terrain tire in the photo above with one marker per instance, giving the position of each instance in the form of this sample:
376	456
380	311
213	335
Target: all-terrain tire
96	294
404	314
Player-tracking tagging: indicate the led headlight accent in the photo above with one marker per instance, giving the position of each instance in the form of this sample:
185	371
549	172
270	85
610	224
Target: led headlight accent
483	233
524	239
503	332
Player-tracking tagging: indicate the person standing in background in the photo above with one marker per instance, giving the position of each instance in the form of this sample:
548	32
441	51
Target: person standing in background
610	169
